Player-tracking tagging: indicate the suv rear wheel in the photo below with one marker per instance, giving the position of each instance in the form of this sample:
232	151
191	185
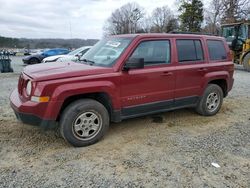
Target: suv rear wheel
84	122
211	101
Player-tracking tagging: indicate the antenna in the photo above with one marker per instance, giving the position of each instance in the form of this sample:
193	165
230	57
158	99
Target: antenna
70	30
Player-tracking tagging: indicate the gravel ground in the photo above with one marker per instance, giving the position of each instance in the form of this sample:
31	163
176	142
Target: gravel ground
173	149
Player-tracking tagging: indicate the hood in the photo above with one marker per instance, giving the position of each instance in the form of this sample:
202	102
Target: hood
55	57
52	71
67	58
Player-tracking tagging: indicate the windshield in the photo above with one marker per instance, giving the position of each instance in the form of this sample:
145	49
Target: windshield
230	32
77	51
106	51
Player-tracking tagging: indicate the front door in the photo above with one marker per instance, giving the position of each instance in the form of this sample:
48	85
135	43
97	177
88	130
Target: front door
151	88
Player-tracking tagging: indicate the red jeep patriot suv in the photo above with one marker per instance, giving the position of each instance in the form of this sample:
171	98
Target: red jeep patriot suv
122	77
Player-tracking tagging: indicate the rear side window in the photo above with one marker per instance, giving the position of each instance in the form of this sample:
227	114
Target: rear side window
216	50
189	50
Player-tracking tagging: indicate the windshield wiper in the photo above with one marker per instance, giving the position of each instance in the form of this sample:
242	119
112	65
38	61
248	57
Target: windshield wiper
87	61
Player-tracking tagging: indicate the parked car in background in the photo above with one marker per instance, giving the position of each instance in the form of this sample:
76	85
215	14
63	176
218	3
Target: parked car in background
37	51
26	52
37	58
71	56
12	52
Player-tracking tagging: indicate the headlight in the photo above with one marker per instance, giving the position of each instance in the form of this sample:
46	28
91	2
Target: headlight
28	88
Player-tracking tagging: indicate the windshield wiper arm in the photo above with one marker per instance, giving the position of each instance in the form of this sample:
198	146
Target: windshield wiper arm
88	61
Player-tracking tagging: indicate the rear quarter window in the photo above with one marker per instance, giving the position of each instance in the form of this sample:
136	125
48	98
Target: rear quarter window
216	50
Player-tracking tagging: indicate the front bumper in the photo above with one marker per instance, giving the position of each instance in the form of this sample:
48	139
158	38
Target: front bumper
24	112
34	120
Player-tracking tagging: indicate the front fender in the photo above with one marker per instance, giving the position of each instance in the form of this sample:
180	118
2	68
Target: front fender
63	91
66	90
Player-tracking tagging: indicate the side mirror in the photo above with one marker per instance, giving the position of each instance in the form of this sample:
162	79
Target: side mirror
134	63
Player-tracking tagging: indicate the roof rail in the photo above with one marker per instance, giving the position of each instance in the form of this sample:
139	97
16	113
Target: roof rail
194	33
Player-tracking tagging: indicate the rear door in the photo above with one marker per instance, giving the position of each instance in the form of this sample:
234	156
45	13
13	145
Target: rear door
190	70
151	88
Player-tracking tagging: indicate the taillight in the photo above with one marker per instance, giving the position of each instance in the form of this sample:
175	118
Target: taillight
20	84
28	87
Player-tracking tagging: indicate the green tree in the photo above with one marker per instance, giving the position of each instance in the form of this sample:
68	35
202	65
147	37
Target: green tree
191	15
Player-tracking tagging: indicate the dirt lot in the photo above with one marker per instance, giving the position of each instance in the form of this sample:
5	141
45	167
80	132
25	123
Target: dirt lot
142	152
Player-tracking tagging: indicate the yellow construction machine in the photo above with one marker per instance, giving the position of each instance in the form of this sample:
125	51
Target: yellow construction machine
238	38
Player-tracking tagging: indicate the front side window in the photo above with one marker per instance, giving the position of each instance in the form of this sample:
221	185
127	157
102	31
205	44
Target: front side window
189	50
216	50
83	52
62	52
107	51
153	52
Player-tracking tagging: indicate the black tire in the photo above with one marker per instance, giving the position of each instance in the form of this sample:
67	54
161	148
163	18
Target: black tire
73	113
206	103
246	62
34	61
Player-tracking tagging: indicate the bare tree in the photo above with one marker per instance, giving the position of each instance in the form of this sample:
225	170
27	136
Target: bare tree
235	10
125	20
162	20
146	25
213	16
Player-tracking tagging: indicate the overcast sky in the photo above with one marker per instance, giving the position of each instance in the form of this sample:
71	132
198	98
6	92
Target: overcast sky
52	18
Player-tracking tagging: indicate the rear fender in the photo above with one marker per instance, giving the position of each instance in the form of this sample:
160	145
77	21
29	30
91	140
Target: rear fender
219	75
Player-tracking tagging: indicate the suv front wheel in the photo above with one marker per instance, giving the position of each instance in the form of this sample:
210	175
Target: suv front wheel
211	101
84	122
